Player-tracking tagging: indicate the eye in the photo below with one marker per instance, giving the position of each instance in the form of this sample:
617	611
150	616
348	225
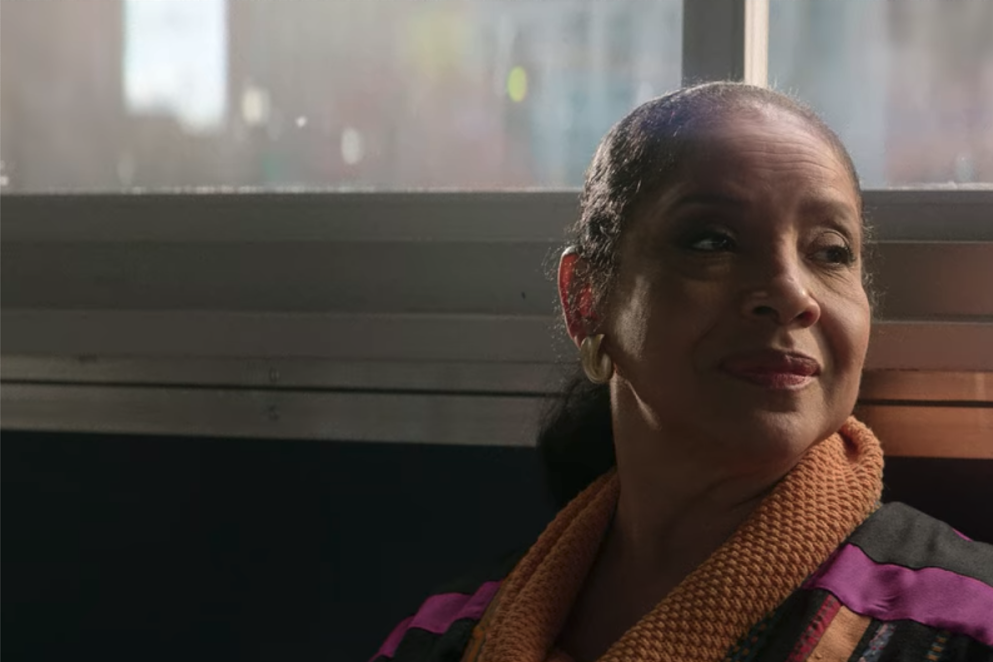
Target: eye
711	241
837	254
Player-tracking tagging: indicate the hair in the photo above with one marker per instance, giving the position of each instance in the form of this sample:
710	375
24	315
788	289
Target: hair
637	158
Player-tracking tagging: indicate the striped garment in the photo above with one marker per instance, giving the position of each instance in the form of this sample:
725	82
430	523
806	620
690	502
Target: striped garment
902	587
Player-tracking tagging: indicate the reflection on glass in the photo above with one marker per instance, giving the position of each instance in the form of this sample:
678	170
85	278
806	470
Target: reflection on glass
907	85
175	60
480	94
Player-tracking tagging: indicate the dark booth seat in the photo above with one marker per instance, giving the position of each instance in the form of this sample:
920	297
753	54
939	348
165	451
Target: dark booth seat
157	548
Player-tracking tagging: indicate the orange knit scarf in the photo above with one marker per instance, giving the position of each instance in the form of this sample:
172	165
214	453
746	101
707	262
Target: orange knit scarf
833	488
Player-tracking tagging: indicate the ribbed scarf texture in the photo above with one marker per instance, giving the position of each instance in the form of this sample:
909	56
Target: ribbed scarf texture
810	512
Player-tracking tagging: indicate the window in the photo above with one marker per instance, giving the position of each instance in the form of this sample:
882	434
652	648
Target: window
907	85
378	94
450	94
307	305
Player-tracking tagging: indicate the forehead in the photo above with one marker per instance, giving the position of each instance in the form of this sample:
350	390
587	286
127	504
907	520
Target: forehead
768	156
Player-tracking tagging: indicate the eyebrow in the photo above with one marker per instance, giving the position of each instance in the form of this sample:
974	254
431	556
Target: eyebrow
829	207
840	215
713	199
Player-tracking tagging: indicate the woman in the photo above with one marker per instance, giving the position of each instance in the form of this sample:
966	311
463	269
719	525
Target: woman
716	291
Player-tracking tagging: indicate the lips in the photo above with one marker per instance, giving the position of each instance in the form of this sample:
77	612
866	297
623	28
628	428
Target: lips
773	369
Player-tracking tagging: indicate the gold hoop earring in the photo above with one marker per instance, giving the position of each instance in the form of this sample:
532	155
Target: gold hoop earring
599	368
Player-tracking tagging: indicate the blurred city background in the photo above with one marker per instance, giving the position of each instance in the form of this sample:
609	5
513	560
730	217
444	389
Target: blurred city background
119	95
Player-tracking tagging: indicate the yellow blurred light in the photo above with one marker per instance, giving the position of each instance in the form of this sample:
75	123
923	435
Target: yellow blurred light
517	84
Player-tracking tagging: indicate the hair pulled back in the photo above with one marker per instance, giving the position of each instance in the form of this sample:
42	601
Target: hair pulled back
634	162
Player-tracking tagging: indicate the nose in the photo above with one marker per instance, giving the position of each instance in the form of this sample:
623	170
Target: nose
782	296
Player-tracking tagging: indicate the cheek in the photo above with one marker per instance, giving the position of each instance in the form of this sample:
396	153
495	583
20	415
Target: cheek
627	322
849	334
662	320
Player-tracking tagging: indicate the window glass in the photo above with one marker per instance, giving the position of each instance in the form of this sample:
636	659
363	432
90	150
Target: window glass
382	94
907	85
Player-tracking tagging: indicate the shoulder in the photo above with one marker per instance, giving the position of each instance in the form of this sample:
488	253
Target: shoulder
441	627
904	566
901	535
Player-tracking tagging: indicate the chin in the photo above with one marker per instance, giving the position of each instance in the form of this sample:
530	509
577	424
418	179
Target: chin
770	437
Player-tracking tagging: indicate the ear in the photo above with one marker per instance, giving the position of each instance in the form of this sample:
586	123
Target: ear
576	296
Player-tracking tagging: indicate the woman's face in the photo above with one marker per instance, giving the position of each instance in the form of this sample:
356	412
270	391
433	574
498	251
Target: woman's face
738	314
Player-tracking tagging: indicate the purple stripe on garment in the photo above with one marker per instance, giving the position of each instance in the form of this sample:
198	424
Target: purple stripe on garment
439	612
934	597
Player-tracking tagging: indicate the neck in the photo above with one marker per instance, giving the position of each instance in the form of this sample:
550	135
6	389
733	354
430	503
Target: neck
674	510
664	525
678	503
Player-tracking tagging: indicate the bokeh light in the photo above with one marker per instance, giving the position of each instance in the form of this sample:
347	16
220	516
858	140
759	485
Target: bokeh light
517	84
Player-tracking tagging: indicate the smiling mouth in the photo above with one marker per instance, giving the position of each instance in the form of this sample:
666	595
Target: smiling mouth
773	370
776	381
